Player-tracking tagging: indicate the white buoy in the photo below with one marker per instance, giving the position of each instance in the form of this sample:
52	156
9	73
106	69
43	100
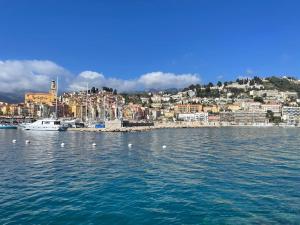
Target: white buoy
14	141
94	144
164	146
62	145
27	141
129	145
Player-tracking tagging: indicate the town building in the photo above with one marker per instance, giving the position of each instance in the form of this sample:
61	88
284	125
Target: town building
188	108
243	118
291	115
199	116
42	98
275	108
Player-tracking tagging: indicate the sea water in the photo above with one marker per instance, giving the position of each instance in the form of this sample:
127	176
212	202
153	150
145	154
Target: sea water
201	176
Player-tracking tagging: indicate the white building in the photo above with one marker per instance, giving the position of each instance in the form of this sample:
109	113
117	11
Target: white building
156	98
251	106
275	108
200	116
291	115
145	100
289	94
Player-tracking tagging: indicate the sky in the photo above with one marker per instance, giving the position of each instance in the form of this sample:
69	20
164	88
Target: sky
138	44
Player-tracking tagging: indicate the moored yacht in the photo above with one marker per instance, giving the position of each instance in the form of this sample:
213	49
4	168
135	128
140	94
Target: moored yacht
46	125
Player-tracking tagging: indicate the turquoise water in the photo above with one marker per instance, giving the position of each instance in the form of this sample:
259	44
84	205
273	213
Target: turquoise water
203	176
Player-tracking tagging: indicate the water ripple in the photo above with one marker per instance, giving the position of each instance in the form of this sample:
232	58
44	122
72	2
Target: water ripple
204	176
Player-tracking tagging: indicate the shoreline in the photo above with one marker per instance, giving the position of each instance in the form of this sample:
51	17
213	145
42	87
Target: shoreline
169	126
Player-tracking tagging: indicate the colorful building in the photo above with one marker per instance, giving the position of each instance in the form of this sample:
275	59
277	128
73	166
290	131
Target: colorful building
42	98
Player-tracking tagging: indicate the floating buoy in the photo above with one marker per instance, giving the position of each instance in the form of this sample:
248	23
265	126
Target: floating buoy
94	144
164	146
62	145
14	141
27	141
129	145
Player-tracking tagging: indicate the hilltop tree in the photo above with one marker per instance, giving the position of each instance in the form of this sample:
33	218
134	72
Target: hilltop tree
257	80
107	89
210	84
240	81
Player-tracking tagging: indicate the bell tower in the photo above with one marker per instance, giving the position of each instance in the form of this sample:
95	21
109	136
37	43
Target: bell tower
53	88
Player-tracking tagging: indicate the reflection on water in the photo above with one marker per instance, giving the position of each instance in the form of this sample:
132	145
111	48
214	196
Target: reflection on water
203	176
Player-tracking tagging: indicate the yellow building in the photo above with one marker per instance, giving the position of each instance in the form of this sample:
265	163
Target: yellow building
5	109
42	98
78	111
233	108
213	109
170	114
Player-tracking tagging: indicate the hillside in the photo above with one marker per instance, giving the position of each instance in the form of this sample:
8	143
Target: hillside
282	84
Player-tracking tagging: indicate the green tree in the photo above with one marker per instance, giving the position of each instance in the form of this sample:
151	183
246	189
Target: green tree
270	115
207	89
210	84
258	99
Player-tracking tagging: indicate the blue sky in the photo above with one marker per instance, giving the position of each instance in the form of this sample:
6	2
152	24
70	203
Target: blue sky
216	40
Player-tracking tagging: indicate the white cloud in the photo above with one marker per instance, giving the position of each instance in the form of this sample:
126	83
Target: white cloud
244	77
157	80
249	71
35	75
162	80
91	75
220	77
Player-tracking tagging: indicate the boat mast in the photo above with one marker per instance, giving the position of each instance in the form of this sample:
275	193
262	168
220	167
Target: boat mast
116	111
56	97
104	104
86	105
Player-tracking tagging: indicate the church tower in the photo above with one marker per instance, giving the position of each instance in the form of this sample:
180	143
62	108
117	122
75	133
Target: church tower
53	88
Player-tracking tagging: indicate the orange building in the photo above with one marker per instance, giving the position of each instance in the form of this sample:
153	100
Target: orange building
42	98
188	108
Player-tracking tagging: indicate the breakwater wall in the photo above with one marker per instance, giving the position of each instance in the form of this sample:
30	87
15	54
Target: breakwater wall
144	128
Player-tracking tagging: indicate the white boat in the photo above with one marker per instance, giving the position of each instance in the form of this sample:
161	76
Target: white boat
46	125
